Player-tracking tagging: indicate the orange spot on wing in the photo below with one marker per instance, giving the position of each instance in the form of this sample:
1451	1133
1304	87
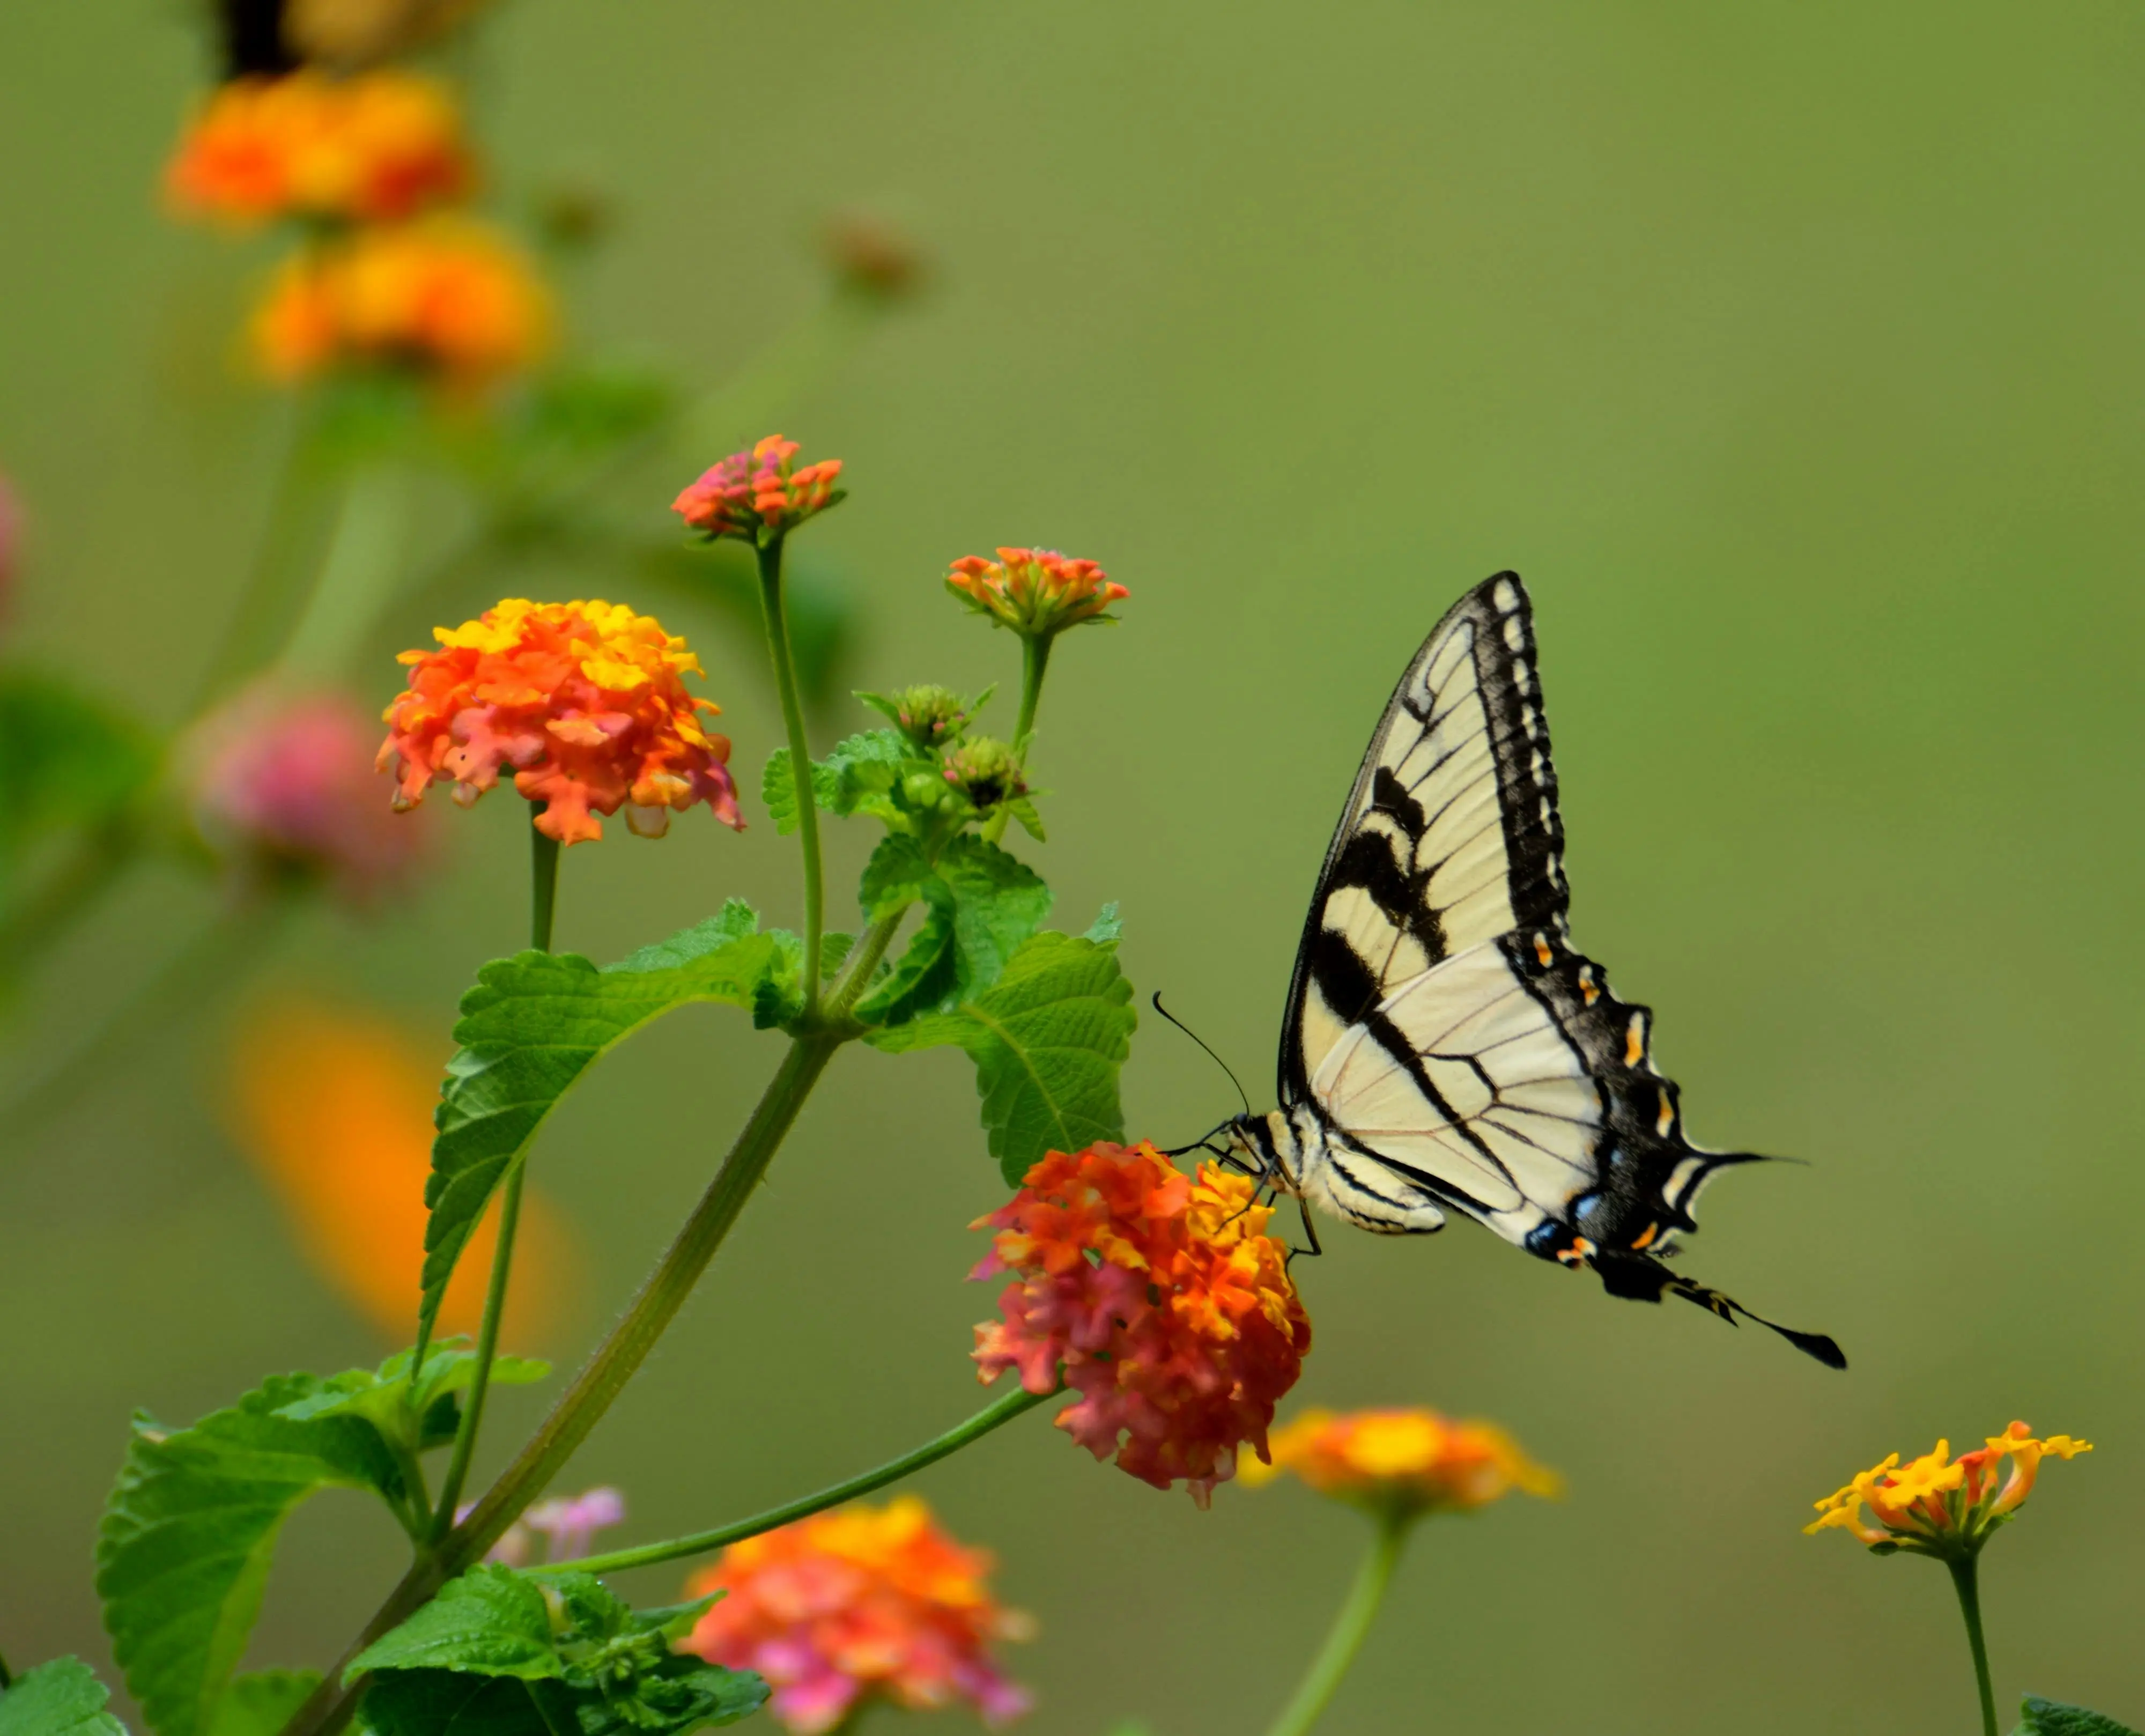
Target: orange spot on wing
1635	1042
1646	1241
1543	952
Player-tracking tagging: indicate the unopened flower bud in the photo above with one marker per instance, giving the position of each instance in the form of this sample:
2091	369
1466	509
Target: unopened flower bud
929	716
987	772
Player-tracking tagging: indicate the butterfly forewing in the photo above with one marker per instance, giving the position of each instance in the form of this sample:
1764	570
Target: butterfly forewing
1451	835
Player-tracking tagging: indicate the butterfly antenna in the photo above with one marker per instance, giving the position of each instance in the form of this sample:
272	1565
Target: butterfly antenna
1204	1044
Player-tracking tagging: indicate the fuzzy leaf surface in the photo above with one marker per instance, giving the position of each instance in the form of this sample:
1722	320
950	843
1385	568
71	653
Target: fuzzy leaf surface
981	902
63	1698
183	1550
532	1026
2051	1717
854	773
492	1621
1048	1040
261	1703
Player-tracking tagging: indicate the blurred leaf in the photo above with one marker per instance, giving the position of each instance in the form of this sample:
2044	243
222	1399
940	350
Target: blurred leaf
63	1698
260	1704
530	1027
2048	1718
817	602
585	1662
414	1415
1106	930
183	1551
65	759
857	770
1048	1040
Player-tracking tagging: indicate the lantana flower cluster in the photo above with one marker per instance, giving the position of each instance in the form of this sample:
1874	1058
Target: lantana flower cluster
759	494
1162	1299
444	296
1938	1506
1404	1462
862	1604
1033	591
376	148
584	701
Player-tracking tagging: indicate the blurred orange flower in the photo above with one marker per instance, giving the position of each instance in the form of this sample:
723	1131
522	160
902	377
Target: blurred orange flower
374	148
335	1108
1404	1462
862	1604
1162	1298
759	494
1937	1505
447	297
1033	591
586	700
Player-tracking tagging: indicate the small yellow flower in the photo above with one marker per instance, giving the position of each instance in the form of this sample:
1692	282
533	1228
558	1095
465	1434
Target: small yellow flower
1938	1506
1407	1461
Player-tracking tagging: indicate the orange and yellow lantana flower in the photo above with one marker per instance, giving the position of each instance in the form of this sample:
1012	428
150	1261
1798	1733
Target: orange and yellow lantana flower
1162	1298
1034	592
375	148
861	1604
446	297
1938	1506
584	701
1404	1462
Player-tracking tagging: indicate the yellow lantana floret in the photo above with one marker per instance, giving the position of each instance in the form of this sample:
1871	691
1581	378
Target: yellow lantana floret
1938	1506
1413	1461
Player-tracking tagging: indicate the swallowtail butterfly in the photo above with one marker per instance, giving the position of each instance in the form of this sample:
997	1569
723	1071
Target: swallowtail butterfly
1445	1047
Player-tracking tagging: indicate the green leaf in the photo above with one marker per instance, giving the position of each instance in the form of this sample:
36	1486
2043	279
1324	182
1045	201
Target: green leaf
894	878
927	973
983	903
1048	1040
1106	930
492	1621
183	1551
2049	1718
856	772
998	902
66	759
413	1415
260	1704
583	1660
1022	809
532	1026
63	1698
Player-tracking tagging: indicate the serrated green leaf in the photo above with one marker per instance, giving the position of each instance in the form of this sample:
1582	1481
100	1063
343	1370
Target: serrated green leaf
261	1703
532	1026
183	1551
1048	1040
63	1698
894	878
2051	1717
492	1621
416	1414
441	1703
998	902
1022	809
1106	930
927	974
854	775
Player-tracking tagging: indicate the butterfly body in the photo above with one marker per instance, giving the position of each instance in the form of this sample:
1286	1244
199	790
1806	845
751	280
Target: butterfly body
1445	1047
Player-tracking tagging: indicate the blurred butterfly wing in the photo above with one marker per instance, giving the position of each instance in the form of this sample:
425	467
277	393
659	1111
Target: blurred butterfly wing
1450	835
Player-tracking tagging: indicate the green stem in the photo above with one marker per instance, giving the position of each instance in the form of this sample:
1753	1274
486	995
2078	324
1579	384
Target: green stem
1034	661
543	902
856	973
1963	1580
600	1382
1349	1628
356	578
800	761
699	1543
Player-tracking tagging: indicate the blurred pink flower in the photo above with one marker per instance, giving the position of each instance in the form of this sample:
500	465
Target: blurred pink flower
283	782
569	1525
11	542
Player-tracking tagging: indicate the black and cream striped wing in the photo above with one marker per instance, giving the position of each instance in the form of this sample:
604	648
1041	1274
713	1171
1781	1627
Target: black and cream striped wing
1450	835
1508	1081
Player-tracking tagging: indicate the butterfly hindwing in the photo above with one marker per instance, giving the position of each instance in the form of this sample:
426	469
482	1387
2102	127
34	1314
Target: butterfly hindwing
1450	835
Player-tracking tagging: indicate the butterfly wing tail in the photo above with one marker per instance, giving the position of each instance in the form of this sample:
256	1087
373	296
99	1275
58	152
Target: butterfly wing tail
1639	1279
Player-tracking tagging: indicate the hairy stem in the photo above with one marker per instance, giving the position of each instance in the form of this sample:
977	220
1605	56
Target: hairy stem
698	1543
1965	1581
856	974
1034	662
1348	1628
600	1382
543	902
800	762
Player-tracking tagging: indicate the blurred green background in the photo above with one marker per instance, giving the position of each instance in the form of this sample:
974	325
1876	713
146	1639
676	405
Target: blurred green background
1795	356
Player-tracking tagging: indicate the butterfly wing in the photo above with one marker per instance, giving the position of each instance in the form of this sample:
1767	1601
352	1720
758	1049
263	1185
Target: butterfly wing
1450	835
